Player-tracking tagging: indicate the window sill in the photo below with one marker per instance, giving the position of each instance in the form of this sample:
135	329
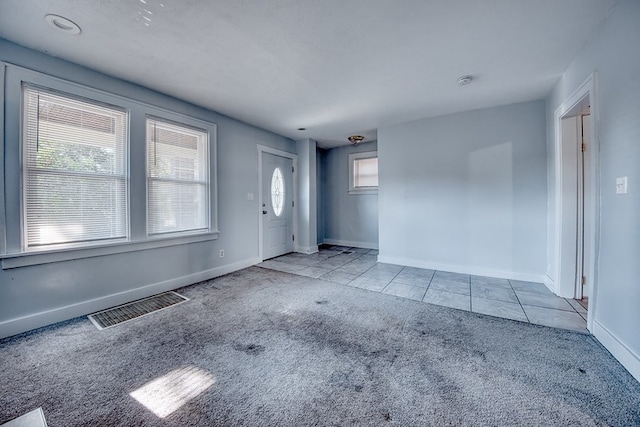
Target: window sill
367	191
26	259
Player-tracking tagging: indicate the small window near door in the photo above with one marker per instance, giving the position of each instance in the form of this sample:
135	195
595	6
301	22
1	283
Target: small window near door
277	192
363	172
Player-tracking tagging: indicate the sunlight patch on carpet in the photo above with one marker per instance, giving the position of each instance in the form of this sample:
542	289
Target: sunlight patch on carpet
165	395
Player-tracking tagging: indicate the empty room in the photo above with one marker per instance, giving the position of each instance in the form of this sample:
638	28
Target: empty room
296	212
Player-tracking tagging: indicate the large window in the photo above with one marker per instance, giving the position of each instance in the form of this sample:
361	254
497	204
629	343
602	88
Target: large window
178	178
363	172
74	170
76	185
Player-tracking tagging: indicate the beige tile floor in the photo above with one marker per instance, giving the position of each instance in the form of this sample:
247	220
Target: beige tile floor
511	299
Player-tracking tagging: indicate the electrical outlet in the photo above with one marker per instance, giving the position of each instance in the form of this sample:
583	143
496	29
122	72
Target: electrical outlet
221	253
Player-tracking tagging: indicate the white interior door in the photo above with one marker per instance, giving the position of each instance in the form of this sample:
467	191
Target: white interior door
276	205
585	220
568	268
577	246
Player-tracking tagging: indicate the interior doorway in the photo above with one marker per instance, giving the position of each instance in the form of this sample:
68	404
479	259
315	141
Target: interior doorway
575	198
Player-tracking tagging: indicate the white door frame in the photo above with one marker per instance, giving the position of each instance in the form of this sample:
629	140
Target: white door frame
563	248
294	158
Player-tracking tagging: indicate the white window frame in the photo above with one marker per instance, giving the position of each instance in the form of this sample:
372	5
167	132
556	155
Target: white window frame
191	125
12	253
25	172
352	158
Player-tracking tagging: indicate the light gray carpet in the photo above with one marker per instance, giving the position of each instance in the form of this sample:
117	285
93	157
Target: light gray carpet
279	349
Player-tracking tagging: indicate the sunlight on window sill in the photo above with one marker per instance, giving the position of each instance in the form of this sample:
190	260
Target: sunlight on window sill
165	395
370	190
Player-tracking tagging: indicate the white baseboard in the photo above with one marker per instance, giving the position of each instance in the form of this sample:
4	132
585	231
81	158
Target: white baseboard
33	321
350	243
618	349
550	283
306	249
463	269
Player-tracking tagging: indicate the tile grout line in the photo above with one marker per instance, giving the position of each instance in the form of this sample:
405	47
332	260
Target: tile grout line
390	281
519	303
335	268
431	280
574	309
583	315
428	286
359	275
470	296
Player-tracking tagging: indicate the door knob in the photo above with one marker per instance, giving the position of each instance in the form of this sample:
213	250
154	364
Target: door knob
264	212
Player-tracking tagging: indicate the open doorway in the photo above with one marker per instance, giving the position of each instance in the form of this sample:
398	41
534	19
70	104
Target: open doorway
575	198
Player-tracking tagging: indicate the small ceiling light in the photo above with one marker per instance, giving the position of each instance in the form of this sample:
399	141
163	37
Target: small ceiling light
355	139
464	80
302	128
62	24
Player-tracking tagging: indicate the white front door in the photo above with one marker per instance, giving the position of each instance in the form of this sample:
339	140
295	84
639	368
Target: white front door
276	205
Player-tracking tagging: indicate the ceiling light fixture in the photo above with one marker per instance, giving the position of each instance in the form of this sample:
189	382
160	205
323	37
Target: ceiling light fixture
63	24
302	128
355	139
465	80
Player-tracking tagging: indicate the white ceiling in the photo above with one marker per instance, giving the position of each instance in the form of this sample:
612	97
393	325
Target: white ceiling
336	67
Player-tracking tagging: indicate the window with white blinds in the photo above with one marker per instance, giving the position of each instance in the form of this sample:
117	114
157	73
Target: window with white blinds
74	170
177	178
363	172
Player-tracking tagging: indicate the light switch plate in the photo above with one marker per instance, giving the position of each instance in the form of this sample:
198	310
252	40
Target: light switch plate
249	196
621	185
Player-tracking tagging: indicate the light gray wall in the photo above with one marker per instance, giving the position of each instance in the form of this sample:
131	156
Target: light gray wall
466	192
349	219
613	55
37	295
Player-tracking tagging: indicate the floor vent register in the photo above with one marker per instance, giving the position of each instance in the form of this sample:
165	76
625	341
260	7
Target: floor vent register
133	310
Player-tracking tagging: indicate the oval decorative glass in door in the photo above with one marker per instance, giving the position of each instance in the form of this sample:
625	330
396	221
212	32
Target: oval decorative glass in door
277	191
